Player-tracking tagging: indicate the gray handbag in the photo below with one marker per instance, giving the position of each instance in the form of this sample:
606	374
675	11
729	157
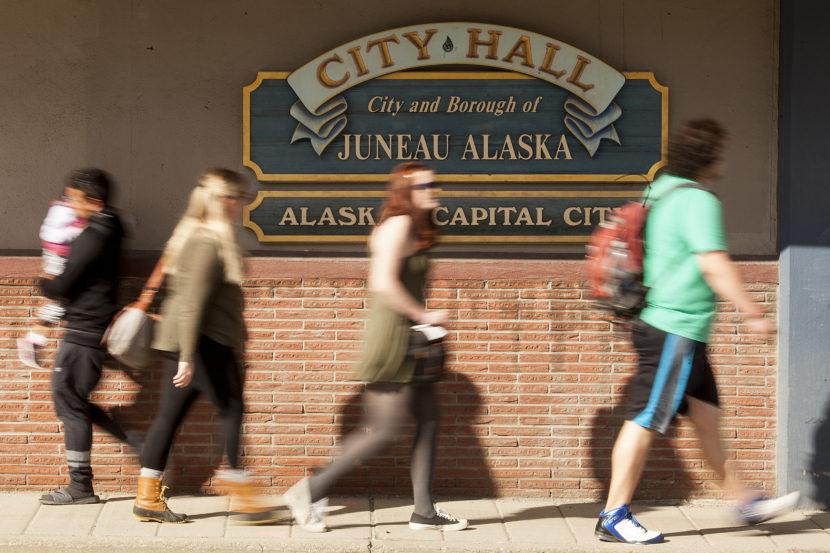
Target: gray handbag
130	332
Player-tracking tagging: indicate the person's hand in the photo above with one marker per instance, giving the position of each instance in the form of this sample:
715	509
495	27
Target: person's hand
184	375
760	325
436	318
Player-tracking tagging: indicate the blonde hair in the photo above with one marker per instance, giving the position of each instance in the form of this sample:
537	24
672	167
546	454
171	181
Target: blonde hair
205	210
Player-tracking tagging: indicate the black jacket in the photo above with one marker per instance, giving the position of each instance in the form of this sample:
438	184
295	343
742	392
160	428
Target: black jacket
88	286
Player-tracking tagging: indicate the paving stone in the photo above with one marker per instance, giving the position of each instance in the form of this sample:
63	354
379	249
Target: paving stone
65	520
485	521
208	517
535	521
581	519
116	519
391	522
794	530
18	510
347	519
722	531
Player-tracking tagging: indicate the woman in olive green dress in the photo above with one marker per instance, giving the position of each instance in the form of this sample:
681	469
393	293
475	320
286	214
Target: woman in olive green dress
397	273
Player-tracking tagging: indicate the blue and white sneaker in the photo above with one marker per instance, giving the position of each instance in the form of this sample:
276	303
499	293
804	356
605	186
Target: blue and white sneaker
762	508
620	525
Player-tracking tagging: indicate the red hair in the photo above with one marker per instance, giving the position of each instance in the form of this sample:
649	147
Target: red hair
399	202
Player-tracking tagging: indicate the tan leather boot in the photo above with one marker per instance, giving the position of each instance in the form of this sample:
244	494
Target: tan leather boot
248	506
150	503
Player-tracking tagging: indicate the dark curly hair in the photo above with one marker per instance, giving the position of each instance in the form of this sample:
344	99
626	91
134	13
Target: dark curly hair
693	147
94	183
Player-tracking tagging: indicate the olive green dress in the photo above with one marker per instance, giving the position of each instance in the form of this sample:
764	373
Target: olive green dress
384	356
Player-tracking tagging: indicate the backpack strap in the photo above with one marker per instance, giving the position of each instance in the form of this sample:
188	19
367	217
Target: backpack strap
690	184
645	223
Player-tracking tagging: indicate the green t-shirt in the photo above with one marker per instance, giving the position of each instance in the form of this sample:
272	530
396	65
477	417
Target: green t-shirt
685	222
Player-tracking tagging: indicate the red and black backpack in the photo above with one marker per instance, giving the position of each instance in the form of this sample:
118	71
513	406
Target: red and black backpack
615	258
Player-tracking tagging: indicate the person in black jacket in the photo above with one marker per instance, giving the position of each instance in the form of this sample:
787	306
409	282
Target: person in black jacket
88	288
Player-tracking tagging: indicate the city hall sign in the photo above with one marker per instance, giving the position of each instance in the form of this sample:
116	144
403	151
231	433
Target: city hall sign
537	144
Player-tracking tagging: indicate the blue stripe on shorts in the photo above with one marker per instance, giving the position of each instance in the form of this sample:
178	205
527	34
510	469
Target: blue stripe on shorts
669	385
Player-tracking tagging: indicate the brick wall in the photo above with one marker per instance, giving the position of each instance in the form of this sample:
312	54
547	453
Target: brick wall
530	408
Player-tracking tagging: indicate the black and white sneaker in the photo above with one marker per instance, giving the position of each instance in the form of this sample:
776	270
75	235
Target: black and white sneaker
441	520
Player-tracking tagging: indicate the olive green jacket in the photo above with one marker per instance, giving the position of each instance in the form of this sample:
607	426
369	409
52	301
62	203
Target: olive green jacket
199	301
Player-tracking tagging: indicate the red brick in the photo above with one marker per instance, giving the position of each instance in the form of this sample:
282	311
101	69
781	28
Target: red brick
533	368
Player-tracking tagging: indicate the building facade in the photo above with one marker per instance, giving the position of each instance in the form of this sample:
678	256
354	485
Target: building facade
157	92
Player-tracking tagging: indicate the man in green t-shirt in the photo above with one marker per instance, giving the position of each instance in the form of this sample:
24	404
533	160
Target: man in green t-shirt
686	267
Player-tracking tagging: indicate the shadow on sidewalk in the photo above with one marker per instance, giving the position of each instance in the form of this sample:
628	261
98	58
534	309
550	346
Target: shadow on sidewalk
664	476
591	510
782	528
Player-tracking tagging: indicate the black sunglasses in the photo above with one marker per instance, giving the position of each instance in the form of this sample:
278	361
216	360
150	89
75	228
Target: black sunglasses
430	184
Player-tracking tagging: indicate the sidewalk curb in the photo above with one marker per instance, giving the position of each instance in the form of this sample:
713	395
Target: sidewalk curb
194	545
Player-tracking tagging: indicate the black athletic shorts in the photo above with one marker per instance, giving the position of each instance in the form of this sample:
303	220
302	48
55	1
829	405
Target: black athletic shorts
670	367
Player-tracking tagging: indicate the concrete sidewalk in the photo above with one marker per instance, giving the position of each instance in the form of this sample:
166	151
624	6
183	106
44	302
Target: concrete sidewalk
380	524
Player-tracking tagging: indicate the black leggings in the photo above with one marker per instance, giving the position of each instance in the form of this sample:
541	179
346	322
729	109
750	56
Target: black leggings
387	405
218	376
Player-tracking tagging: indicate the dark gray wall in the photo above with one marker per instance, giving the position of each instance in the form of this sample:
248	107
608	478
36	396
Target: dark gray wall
804	384
152	89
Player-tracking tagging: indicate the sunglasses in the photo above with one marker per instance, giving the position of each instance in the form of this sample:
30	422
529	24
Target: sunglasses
430	184
240	197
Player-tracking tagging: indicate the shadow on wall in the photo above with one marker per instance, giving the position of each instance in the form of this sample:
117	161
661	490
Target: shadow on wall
820	465
460	467
664	477
197	447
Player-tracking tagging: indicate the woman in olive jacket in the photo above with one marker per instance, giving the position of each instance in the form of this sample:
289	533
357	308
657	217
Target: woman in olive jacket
200	336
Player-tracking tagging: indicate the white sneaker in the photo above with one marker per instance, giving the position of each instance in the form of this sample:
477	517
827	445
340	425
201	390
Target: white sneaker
317	521
762	509
441	520
620	525
309	516
298	499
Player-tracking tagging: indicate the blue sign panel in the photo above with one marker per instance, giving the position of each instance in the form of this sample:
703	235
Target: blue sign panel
536	112
485	127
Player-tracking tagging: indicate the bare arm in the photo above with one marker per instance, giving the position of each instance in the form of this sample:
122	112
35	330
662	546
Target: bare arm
389	245
722	276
